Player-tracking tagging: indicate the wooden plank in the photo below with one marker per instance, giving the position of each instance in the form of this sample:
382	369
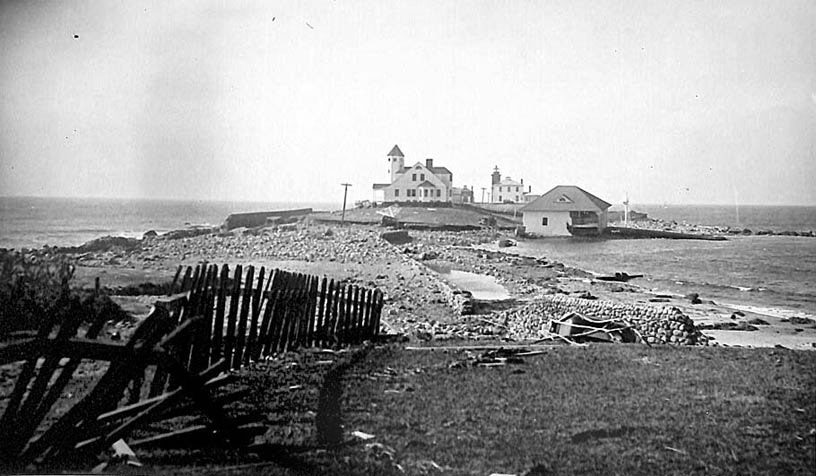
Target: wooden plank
314	298
286	319
365	327
378	305
346	335
213	376
240	337
282	330
358	314
173	306
333	311
278	316
350	317
303	312
106	394
194	387
198	300
157	407
185	281
290	324
320	318
232	318
29	416
175	280
9	420
183	349
203	336
218	325
274	307
269	297
256	307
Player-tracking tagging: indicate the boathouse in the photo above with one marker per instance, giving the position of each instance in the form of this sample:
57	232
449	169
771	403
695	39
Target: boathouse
565	210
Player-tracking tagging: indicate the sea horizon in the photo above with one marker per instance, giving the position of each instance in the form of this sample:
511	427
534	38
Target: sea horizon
615	206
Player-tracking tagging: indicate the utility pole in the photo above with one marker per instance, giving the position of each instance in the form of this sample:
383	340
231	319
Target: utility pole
345	194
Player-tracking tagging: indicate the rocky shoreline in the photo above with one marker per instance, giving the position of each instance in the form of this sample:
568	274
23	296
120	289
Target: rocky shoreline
684	227
419	301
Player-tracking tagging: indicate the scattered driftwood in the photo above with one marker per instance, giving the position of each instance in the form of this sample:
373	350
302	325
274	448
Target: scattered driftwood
578	327
619	277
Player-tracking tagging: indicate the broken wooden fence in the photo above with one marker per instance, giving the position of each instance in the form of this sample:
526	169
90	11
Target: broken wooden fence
173	365
143	383
248	315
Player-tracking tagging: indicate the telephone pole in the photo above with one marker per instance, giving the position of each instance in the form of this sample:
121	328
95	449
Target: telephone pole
345	194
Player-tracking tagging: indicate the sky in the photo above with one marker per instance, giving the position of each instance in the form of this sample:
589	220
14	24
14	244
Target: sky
678	102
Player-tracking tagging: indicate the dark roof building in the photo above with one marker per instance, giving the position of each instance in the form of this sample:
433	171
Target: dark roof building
567	198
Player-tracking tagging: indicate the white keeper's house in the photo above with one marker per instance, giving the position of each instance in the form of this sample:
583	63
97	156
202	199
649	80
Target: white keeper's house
565	210
417	183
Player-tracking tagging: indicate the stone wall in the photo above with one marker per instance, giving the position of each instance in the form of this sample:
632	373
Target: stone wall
658	325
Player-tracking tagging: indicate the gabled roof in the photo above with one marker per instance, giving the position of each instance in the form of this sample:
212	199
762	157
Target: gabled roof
440	170
426	184
566	198
396	152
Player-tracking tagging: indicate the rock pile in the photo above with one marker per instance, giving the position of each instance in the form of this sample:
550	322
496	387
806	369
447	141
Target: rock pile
665	325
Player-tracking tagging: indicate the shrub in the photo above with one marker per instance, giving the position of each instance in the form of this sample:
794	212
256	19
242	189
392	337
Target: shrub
33	287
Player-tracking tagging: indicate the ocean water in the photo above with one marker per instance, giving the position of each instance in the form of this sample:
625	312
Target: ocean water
753	217
27	222
774	273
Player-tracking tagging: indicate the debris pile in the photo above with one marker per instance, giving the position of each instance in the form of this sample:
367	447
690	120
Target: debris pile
664	325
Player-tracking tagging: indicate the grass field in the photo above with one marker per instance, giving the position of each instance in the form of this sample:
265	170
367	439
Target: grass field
604	409
599	410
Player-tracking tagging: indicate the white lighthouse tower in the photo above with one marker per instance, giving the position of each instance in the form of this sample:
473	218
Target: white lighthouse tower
396	161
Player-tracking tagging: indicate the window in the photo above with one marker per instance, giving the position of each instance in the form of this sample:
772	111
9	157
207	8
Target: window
396	192
517	189
544	221
500	198
422	177
425	190
438	192
413	177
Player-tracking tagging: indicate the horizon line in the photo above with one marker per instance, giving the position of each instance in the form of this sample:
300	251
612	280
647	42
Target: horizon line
327	202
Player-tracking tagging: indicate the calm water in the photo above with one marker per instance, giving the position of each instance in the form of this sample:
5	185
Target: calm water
774	272
32	222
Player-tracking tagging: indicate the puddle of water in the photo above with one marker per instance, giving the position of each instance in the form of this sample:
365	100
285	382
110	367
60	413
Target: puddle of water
481	286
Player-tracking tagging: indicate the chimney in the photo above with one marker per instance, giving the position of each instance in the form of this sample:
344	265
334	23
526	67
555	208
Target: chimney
522	181
429	163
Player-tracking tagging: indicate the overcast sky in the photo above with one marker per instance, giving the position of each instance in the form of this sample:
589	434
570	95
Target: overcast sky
682	102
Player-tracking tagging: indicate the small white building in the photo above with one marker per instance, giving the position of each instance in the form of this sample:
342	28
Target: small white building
506	190
417	183
565	210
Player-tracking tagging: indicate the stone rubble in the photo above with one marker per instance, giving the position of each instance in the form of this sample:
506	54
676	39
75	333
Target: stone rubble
418	301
